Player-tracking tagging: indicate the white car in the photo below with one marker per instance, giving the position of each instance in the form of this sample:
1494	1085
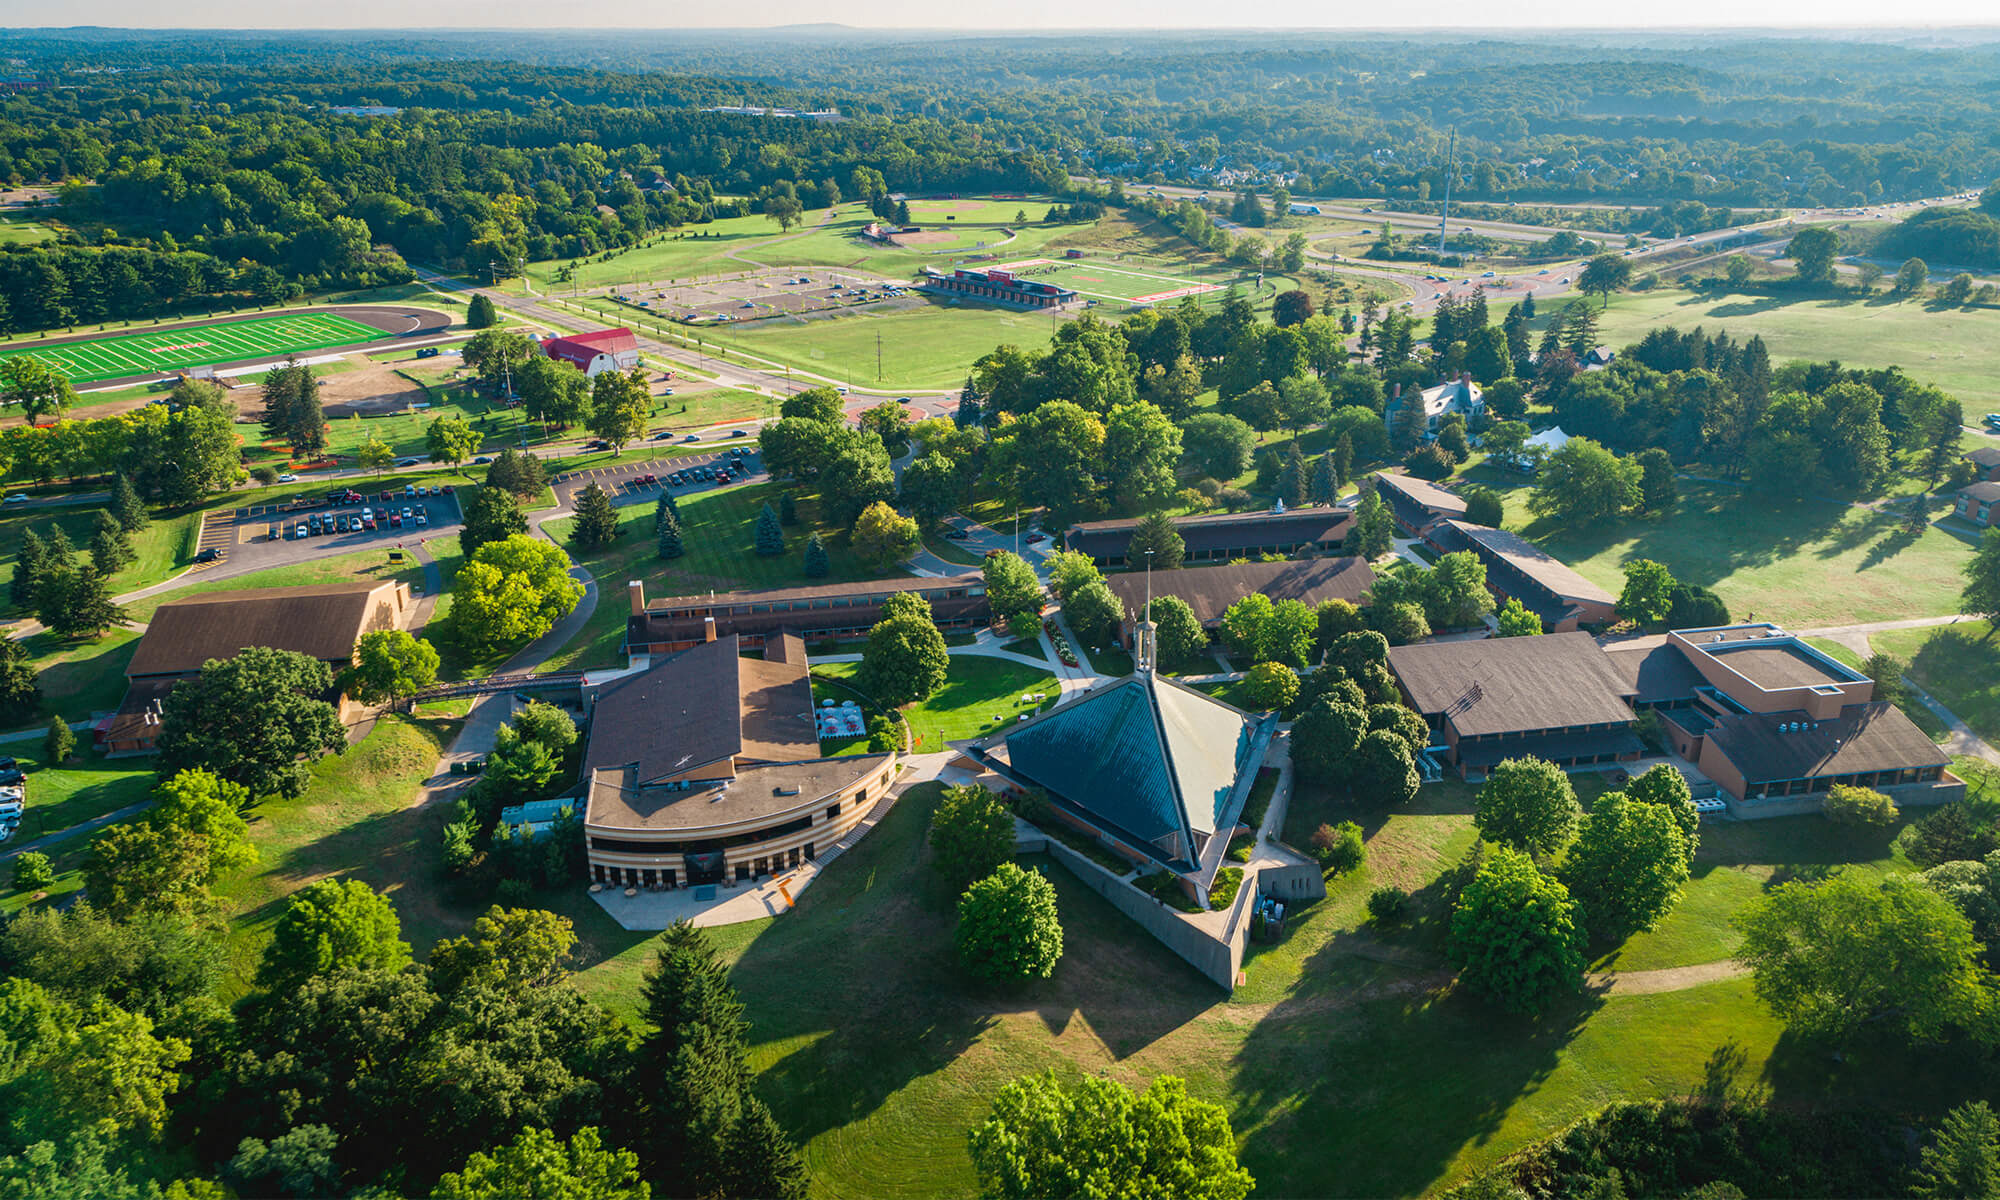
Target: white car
17	498
288	478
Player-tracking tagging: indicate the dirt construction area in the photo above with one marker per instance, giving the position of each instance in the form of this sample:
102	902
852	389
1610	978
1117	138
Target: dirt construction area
763	294
370	389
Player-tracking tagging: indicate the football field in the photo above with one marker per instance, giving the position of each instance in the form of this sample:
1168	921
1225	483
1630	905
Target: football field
1120	283
121	355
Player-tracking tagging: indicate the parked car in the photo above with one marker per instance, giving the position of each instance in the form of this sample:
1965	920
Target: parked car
692	437
368	521
446	489
598	444
957	535
736	433
388	496
300	532
662	435
1992	420
406	512
423	520
17	498
408	462
208	556
395	520
288	478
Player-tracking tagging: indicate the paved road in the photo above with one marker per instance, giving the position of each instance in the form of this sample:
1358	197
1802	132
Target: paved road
77	830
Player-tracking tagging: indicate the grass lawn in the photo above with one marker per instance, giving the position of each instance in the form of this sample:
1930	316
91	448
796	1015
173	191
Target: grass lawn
77	791
718	528
163	547
1959	665
978	695
1030	646
1948	348
80	678
1801	563
341	568
952	552
1343	1035
930	346
355	819
20	230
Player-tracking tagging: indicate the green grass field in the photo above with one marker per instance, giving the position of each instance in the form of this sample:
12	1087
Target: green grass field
1125	283
1801	563
225	341
18	230
163	547
1949	348
975	210
926	348
1959	665
979	695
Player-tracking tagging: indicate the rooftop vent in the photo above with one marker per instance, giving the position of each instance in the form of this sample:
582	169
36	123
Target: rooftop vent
784	791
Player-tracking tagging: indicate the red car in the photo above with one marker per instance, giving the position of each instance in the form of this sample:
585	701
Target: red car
395	520
388	496
447	489
649	480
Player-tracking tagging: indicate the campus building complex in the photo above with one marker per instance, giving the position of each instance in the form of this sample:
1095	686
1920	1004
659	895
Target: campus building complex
323	622
1220	537
1767	719
1417	504
832	610
705	768
997	285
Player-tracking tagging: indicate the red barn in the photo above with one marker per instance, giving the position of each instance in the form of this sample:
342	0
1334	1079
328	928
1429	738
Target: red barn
602	350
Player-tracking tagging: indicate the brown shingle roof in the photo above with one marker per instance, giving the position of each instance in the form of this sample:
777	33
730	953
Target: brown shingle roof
1654	669
1220	531
1532	562
702	706
613	801
1865	737
1210	590
322	622
1513	685
1985	493
860	587
1411	496
1986	457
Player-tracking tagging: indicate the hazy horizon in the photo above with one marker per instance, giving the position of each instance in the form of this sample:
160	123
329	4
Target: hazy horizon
1846	17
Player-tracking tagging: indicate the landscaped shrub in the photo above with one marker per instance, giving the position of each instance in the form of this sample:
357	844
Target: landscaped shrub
1846	805
1388	905
1222	893
1165	887
1338	847
1241	846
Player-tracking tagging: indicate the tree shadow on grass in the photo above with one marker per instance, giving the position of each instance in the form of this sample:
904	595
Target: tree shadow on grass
1383	1054
863	977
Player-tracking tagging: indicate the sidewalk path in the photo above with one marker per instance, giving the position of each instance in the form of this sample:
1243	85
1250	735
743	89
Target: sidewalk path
82	827
1666	979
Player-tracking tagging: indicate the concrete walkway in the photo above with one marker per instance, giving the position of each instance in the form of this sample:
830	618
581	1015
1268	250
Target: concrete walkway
82	827
771	895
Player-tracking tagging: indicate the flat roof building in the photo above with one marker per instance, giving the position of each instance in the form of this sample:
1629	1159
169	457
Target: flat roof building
829	610
1219	537
706	768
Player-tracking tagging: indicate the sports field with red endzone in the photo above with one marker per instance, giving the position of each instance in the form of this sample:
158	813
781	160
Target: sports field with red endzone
1117	282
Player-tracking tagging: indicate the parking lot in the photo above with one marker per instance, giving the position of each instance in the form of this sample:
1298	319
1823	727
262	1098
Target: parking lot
628	483
747	298
265	535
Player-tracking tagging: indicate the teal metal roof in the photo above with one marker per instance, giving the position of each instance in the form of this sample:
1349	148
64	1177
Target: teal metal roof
1152	762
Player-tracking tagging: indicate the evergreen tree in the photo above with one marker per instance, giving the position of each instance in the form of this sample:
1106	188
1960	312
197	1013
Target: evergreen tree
20	692
110	547
1325	481
1343	459
596	520
817	564
761	1159
770	532
480	314
1296	483
126	506
30	566
788	509
670	535
58	743
77	601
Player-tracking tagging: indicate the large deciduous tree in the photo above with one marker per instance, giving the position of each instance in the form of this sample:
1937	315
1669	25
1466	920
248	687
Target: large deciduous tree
1012	589
1100	1139
905	659
619	406
972	833
1627	867
538	1164
1008	927
390	665
257	719
1528	803
492	514
883	537
1515	936
512	591
330	926
1583	483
